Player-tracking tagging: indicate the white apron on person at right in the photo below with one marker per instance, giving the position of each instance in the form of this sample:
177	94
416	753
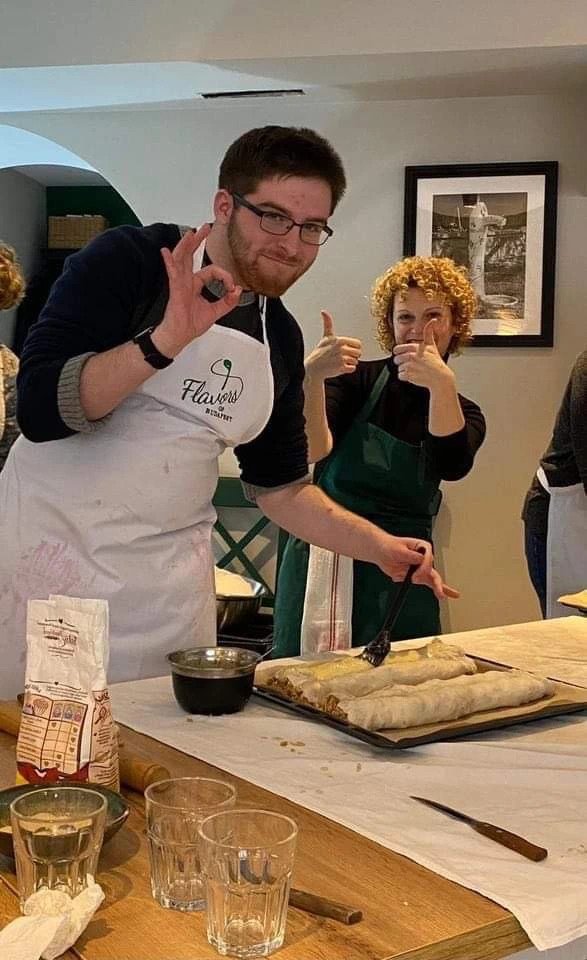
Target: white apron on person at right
566	544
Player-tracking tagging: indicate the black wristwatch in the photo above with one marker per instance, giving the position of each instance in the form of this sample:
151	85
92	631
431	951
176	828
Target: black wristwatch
150	352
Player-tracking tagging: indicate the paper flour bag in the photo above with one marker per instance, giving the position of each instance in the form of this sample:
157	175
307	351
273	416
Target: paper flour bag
66	730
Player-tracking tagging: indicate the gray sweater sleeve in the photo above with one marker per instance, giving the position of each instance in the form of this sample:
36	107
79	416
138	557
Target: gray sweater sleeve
68	396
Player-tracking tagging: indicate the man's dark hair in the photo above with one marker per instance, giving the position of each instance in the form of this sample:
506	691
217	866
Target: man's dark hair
281	152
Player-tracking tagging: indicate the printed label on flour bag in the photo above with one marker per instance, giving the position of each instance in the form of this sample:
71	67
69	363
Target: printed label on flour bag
66	730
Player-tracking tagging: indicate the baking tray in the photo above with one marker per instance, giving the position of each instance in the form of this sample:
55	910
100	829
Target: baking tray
566	699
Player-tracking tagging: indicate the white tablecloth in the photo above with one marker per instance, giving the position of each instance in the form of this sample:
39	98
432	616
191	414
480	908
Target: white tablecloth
532	781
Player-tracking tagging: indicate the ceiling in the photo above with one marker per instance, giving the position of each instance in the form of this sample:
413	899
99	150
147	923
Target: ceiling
225	32
77	55
403	76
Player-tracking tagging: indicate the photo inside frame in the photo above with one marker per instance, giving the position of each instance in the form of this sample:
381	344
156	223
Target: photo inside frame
487	233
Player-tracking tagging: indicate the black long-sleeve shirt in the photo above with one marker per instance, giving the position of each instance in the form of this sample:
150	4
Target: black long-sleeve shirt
565	461
402	411
101	301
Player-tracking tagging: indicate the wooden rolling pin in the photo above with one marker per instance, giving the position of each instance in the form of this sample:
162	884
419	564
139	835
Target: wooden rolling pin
10	717
135	773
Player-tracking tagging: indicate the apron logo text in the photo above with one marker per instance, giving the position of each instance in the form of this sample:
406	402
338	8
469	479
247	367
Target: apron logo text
227	392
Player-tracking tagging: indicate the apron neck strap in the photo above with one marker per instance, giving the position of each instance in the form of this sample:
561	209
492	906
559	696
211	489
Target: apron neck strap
371	401
262	301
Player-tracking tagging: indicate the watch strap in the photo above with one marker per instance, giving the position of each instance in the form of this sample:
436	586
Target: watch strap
152	355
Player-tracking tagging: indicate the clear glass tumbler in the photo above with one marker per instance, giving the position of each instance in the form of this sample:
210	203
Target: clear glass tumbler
57	835
247	858
174	809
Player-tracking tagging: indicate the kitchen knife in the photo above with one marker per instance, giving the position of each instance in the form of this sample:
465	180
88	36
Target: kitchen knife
510	840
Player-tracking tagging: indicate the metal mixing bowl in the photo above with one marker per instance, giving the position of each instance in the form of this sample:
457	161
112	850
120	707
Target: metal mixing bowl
232	611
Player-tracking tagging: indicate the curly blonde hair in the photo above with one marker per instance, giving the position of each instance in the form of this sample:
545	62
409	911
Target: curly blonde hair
436	277
12	282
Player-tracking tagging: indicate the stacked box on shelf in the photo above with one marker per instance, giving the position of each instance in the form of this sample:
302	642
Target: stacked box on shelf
73	232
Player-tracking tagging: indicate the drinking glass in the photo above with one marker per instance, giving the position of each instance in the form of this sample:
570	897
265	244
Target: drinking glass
247	858
57	835
174	809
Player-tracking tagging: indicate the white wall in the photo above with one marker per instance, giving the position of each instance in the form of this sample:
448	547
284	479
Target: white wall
22	225
164	163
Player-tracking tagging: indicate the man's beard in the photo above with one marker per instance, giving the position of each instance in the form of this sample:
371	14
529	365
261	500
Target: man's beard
257	274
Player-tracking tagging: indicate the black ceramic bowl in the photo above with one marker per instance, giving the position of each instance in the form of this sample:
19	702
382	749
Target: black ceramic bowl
213	680
117	809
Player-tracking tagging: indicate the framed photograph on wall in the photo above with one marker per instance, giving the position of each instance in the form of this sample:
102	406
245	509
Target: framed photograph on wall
498	220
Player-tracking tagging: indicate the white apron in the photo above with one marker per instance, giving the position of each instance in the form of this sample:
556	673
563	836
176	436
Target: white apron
566	545
125	513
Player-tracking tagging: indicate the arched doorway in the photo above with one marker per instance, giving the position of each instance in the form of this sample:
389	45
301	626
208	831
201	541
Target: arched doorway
40	179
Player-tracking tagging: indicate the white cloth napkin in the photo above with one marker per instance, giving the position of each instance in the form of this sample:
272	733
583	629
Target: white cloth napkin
328	603
52	923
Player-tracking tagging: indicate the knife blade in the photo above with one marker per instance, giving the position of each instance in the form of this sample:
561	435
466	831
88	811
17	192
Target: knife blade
510	840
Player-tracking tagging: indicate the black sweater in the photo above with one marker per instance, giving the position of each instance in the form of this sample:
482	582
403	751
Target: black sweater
565	461
402	411
102	300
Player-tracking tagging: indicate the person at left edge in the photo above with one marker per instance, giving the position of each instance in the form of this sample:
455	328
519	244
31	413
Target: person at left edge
154	353
12	291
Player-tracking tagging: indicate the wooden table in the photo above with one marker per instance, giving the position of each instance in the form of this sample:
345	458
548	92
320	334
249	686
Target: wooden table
409	912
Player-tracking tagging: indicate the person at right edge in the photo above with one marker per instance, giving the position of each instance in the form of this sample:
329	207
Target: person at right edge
386	433
555	508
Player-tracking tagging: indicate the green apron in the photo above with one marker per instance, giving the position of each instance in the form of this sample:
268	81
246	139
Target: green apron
383	480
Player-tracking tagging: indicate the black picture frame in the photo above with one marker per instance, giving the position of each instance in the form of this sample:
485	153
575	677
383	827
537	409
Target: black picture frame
499	220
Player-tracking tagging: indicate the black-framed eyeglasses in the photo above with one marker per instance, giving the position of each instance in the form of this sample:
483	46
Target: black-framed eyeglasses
279	224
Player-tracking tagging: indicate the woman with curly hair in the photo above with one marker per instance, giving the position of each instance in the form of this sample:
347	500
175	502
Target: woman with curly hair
12	283
384	434
12	287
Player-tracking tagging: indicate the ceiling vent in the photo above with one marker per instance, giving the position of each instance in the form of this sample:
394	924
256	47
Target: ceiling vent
248	94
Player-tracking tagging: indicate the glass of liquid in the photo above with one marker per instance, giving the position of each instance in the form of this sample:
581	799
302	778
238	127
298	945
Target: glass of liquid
57	836
247	858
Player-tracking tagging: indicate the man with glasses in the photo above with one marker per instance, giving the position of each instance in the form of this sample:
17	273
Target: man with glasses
159	348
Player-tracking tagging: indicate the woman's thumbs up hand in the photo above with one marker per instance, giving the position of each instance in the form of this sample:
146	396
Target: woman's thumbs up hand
419	362
332	355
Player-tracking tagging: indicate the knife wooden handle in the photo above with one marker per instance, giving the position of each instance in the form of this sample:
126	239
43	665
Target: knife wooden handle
511	840
322	907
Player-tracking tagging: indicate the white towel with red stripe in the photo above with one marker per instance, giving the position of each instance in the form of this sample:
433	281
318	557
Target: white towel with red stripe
328	603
